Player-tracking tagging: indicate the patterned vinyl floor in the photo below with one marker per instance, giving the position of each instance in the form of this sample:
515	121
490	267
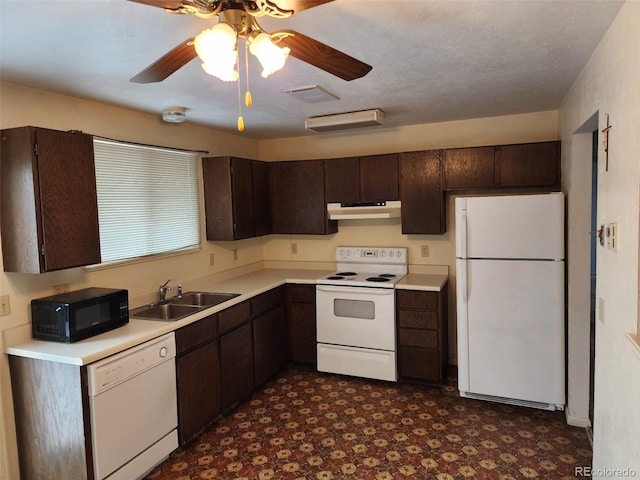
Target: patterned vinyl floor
314	426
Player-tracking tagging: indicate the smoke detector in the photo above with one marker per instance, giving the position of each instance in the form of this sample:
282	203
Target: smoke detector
174	114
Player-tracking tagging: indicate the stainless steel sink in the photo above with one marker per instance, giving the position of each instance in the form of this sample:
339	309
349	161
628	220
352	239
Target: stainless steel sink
202	299
166	311
176	308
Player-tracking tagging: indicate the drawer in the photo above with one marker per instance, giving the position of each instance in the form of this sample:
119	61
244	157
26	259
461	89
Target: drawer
232	317
302	293
418	319
197	333
420	364
417	299
418	338
267	301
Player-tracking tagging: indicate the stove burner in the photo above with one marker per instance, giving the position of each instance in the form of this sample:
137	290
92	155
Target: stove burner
335	277
378	279
347	274
387	275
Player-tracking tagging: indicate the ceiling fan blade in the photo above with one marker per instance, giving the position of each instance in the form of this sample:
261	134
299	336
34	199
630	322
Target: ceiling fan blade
168	4
299	5
167	64
320	55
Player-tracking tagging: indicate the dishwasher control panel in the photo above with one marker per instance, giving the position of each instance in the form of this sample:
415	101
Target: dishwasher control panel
115	369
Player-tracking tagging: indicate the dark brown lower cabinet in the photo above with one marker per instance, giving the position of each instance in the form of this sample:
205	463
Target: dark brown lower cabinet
236	366
422	333
198	377
269	344
301	323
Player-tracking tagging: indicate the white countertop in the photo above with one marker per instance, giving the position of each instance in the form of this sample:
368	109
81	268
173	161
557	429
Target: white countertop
138	331
422	281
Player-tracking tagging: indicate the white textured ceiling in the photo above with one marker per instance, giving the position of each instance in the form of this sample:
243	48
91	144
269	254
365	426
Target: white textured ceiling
432	61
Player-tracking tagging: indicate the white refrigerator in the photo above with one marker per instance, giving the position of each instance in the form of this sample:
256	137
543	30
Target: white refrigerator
510	299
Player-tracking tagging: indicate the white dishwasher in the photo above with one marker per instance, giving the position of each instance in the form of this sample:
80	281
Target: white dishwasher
133	404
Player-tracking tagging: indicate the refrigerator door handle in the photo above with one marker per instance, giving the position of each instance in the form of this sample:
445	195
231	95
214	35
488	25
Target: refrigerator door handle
464	281
461	227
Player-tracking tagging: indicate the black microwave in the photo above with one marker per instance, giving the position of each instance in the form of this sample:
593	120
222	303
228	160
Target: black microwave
72	316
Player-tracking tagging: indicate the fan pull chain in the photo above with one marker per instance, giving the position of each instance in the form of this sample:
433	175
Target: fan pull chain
248	101
240	119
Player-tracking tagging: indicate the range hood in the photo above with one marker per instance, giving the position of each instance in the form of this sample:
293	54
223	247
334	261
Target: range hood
363	210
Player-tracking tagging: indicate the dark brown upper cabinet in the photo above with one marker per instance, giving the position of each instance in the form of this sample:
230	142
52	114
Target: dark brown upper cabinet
368	178
528	165
514	167
49	201
423	205
298	202
464	168
236	198
261	198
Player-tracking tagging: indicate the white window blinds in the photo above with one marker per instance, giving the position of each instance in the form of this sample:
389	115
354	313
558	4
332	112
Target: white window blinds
147	200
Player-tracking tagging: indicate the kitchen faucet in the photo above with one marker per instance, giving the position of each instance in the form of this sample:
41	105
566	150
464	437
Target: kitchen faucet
164	288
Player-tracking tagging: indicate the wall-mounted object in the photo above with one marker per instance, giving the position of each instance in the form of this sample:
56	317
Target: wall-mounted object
343	121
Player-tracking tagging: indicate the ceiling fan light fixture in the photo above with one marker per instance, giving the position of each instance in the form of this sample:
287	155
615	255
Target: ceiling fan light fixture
217	48
271	57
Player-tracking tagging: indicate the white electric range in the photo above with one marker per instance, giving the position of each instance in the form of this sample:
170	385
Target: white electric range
355	312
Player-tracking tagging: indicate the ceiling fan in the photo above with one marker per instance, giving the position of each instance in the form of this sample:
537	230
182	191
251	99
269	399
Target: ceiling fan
241	16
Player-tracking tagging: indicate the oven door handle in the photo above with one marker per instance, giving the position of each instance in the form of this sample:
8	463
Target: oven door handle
354	290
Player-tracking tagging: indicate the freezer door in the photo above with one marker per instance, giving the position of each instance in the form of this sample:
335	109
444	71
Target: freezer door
511	329
510	226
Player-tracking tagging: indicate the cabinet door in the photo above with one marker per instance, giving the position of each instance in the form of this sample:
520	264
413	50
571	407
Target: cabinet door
69	203
49	216
269	344
468	168
242	193
236	366
198	375
228	197
423	206
297	198
301	324
379	177
261	198
528	165
342	179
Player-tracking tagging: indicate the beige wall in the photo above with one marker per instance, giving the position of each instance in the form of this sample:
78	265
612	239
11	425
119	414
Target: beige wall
23	106
607	85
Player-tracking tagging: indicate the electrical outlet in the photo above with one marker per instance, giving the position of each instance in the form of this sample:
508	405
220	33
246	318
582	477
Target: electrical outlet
211	260
5	308
235	254
294	248
62	288
424	250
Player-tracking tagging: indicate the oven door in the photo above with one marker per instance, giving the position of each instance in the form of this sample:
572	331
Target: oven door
356	316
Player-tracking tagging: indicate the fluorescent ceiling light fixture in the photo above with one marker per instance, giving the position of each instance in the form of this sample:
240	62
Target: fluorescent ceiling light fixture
312	94
343	121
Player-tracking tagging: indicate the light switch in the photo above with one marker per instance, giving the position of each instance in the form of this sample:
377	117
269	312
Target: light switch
611	236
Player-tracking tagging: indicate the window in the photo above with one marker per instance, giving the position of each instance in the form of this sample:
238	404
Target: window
147	200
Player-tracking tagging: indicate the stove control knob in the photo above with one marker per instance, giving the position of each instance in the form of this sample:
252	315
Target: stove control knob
383	253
